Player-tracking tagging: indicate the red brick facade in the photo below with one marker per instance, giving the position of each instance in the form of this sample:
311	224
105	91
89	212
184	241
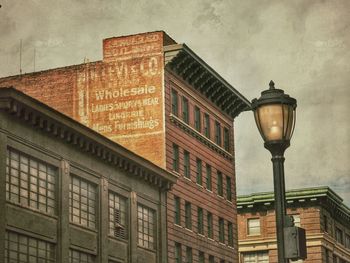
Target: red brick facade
127	97
313	212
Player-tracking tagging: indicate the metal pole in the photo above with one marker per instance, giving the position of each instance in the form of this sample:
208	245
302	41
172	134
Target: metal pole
280	205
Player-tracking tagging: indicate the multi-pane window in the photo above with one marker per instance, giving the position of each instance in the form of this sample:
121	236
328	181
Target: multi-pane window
206	125
254	226
228	188
117	216
211	259
199	171
217	133
226	139
200	224
208	177
347	241
30	182
256	257
187	164
174	102
177	213
230	234
296	220
339	235
221	230
82	202
219	184
76	256
185	116
189	258
210	224
188	215
197	119
21	248
176	157
325	223
178	253
146	227
201	257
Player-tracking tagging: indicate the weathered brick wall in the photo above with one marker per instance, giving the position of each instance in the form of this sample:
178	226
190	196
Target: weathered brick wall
120	97
188	190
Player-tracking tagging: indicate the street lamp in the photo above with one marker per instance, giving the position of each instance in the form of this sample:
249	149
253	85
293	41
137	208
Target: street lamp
274	114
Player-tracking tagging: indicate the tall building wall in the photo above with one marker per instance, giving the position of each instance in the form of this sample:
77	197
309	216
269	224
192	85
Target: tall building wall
191	190
127	98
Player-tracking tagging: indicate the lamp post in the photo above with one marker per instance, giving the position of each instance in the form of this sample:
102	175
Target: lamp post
274	114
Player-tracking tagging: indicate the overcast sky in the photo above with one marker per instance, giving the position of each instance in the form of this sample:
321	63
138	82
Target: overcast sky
302	45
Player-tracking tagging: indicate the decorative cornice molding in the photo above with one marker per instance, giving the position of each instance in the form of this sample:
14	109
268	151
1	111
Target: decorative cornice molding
200	137
48	120
188	66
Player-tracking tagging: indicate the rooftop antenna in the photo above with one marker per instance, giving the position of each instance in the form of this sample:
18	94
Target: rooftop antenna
20	57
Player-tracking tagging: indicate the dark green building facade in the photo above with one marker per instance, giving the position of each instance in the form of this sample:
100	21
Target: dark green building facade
68	194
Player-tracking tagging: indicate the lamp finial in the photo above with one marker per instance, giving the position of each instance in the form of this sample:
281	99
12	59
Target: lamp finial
272	85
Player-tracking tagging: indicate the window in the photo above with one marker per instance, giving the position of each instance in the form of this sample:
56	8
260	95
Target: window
82	202
339	235
335	259
221	230
200	220
217	133
206	125
30	182
174	103
177	215
188	255
201	257
188	215
222	261
325	223
254	226
21	248
219	184
178	253
228	188
347	241
175	157
208	177
117	216
197	119
226	139
256	257
230	234
187	164
210	224
296	219
326	255
211	259
80	257
185	116
199	171
146	227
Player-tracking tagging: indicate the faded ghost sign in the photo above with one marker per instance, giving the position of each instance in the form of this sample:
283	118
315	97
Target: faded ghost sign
122	96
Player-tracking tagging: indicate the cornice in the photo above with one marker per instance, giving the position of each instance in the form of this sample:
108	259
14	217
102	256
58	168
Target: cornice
50	121
187	65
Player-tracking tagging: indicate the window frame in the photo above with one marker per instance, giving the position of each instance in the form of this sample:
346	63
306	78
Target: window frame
185	110
174	102
249	231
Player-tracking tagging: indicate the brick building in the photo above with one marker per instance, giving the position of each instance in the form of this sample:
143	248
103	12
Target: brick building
160	100
68	194
320	211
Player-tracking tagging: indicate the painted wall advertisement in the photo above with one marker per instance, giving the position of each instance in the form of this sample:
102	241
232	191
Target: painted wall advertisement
122	96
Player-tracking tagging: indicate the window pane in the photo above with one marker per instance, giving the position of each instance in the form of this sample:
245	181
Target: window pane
32	177
82	202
